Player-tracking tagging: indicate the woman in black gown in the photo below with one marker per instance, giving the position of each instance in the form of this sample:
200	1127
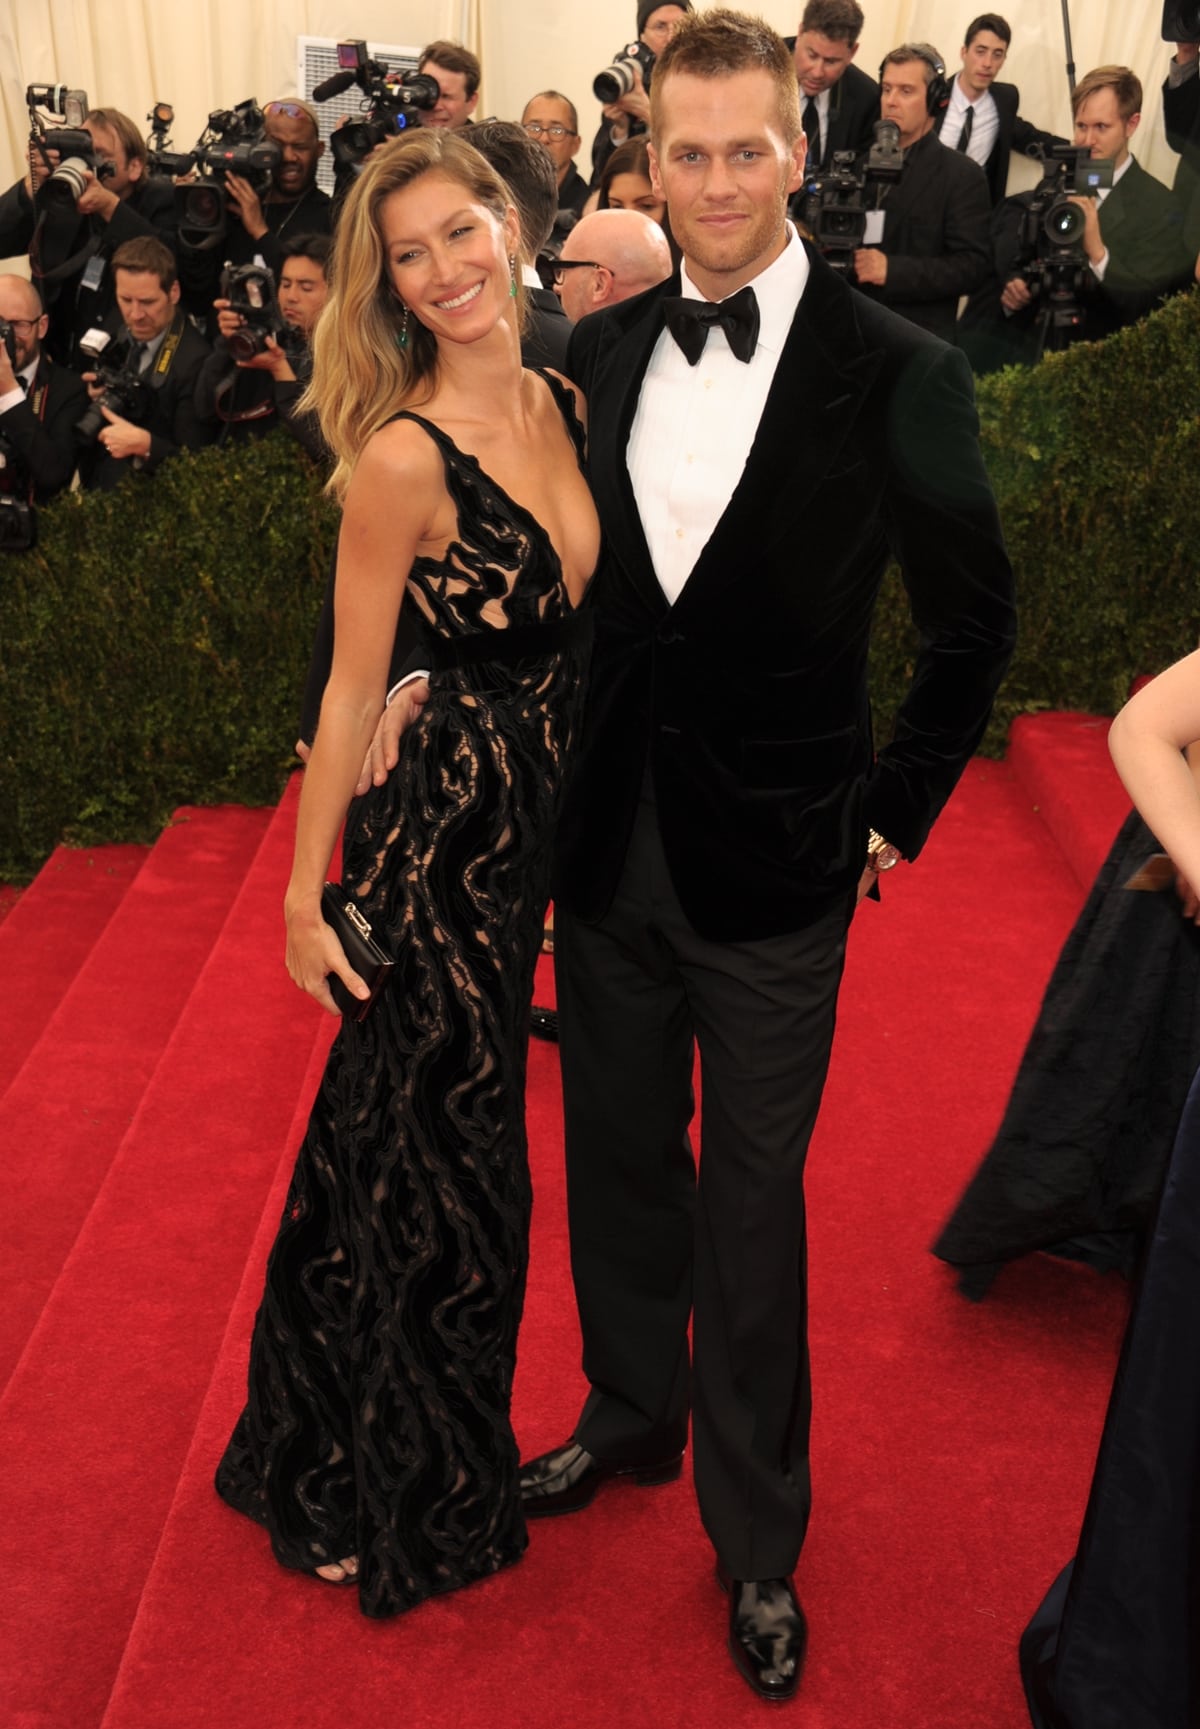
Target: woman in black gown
375	1445
1114	1644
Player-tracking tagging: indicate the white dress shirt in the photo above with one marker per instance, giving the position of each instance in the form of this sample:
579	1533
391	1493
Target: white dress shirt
694	425
16	395
984	127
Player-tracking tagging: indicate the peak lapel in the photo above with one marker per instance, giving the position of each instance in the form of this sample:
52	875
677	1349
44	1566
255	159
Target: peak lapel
823	376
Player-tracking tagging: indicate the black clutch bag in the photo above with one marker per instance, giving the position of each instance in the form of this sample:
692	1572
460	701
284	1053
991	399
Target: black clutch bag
369	959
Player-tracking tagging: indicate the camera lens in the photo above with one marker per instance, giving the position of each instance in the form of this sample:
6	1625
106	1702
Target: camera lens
1064	224
66	184
203	206
614	82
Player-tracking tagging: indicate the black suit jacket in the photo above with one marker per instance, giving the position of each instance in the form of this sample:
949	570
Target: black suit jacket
1013	133
41	432
172	422
936	235
853	111
747	697
548	331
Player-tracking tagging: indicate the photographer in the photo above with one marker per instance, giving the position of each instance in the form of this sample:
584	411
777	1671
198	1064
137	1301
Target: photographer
981	120
245	397
70	252
839	103
39	402
457	73
260	218
152	375
1131	252
630	114
927	238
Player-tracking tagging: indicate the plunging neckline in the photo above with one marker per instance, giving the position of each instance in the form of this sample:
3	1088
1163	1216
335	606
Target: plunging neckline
441	435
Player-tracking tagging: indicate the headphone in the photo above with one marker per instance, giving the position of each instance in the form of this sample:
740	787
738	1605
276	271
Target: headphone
939	89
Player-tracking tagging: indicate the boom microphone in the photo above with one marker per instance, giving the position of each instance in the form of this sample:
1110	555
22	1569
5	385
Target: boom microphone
334	86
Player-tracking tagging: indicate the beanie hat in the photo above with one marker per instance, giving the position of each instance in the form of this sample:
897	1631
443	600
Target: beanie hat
647	6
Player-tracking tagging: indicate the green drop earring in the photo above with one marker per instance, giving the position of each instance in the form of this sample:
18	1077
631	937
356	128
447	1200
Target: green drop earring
512	276
402	337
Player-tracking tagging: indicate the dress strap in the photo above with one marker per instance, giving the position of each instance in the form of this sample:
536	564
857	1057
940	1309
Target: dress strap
565	401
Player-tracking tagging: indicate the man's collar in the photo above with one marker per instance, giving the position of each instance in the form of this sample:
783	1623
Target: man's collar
777	289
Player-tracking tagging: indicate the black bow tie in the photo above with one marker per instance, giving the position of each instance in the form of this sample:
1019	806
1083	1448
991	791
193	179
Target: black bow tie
690	321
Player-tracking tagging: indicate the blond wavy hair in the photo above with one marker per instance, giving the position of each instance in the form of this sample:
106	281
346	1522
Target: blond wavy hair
361	375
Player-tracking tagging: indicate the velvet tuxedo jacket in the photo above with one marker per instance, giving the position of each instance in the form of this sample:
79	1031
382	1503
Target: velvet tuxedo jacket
747	698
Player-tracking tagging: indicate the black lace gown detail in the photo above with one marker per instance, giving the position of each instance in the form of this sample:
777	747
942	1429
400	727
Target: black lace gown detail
382	1361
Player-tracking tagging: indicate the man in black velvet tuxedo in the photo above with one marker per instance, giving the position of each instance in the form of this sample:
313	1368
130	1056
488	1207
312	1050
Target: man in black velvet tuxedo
980	120
762	441
839	103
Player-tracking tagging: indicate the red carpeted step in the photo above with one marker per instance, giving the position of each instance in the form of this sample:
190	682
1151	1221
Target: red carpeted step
46	931
96	1419
63	1116
952	1442
1062	763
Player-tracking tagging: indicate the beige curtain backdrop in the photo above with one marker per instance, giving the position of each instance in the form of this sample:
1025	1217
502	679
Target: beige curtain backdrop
212	53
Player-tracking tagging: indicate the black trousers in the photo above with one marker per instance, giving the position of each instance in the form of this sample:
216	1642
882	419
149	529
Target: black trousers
652	1242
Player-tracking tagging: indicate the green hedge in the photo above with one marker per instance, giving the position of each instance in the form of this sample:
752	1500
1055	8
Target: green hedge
1095	458
153	648
153	645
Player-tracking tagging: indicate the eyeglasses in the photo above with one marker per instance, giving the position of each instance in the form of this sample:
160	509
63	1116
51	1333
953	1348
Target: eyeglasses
562	265
294	111
535	129
25	324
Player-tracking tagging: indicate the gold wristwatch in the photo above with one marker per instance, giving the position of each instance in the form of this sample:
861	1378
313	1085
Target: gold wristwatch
881	854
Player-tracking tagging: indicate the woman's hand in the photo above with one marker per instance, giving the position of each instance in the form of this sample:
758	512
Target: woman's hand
313	952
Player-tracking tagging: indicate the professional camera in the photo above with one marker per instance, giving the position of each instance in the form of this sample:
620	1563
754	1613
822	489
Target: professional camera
125	393
394	99
233	142
618	79
8	337
250	290
1050	252
74	143
1181	21
18	525
834	205
160	158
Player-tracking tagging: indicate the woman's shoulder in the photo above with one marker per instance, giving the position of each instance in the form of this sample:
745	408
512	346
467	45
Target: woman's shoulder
403	449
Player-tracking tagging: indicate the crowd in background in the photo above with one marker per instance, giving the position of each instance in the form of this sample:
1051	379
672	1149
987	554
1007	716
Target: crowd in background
138	337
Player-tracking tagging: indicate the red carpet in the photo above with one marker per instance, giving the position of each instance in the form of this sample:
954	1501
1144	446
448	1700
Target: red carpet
953	1443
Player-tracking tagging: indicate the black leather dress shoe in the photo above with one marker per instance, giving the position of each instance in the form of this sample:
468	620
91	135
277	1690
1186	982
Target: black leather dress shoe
543	1024
767	1634
567	1479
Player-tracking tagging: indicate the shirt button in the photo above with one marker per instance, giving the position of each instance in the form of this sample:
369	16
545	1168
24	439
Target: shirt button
679	534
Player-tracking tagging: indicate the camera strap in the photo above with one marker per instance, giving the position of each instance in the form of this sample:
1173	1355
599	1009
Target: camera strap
167	352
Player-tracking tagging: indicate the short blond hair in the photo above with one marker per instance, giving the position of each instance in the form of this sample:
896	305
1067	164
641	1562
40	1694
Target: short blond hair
717	43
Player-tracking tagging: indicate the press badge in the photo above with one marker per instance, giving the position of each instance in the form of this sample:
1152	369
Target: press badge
873	232
93	274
